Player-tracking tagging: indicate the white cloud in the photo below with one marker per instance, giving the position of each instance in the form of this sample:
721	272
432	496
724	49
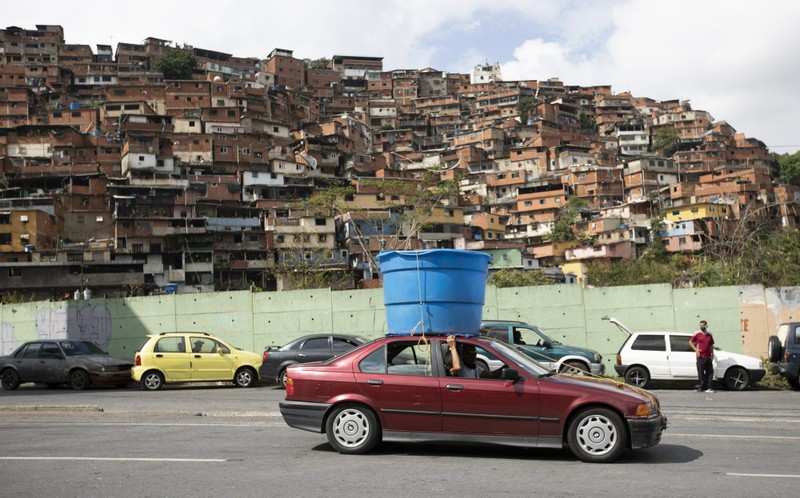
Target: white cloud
733	59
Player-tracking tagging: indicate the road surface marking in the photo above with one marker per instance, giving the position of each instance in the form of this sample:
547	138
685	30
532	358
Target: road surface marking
113	459
787	476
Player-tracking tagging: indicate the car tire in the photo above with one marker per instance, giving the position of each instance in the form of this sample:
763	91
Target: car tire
573	367
637	376
245	377
736	379
597	435
9	379
774	348
352	429
282	378
152	380
794	383
79	379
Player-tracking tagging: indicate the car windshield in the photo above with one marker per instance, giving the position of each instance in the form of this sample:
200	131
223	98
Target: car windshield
75	348
524	361
545	336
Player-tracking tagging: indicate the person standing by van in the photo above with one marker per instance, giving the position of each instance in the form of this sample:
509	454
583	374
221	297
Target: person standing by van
702	342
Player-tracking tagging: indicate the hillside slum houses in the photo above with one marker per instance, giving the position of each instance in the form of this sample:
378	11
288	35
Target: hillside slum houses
117	181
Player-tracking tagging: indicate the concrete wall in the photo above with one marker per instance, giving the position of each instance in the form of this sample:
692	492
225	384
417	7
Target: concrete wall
741	318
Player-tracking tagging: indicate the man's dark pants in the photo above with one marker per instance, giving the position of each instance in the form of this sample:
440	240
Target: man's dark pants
705	372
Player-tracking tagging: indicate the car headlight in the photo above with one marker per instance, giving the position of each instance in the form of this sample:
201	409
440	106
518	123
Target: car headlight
646	409
97	367
598	357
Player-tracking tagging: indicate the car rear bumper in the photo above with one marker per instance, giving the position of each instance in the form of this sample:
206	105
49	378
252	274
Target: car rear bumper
784	369
304	415
646	432
620	369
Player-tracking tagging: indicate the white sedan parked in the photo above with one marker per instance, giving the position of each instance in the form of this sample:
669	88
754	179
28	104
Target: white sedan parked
646	356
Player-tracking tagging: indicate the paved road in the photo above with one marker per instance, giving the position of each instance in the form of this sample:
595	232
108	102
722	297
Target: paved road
224	441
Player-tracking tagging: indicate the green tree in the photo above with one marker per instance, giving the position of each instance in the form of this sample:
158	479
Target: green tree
780	261
588	121
416	201
638	272
666	141
510	277
789	168
524	105
320	63
570	213
176	64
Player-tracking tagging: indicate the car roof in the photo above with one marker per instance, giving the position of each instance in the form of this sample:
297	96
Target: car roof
516	322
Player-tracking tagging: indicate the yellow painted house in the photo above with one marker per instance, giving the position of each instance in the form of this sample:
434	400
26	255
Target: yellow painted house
698	211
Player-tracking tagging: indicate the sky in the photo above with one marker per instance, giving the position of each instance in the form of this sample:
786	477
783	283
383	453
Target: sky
736	59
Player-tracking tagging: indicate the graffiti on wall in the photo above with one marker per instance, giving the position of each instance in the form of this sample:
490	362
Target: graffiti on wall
8	342
87	323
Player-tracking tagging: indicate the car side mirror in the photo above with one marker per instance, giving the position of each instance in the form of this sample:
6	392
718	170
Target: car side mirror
509	374
548	345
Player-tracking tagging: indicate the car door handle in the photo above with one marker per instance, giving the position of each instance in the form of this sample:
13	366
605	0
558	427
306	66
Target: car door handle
455	387
159	356
302	355
197	356
375	382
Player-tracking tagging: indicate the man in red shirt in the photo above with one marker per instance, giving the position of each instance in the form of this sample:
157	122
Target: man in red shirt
703	344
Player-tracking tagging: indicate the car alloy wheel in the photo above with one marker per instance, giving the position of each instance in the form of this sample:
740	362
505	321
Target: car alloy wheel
282	378
244	377
152	380
353	429
637	376
737	379
573	368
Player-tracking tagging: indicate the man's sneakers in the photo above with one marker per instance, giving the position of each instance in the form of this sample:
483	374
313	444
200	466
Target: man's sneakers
710	391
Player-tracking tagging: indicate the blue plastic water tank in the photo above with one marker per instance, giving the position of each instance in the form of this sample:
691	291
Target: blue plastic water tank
74	105
436	291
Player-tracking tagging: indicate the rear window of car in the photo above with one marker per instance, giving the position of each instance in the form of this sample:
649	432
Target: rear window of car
317	343
649	342
170	345
399	358
341	345
680	344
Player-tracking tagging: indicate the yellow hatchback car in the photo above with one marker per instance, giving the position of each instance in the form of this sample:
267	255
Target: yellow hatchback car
173	357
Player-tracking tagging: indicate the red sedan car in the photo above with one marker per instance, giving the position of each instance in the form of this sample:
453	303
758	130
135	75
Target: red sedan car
401	389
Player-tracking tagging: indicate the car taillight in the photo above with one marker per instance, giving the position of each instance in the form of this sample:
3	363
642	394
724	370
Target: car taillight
264	356
619	359
138	361
289	387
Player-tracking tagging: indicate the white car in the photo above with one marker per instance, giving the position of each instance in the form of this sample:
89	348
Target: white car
646	356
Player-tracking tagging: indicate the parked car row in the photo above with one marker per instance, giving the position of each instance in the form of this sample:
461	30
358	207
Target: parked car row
178	357
166	358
